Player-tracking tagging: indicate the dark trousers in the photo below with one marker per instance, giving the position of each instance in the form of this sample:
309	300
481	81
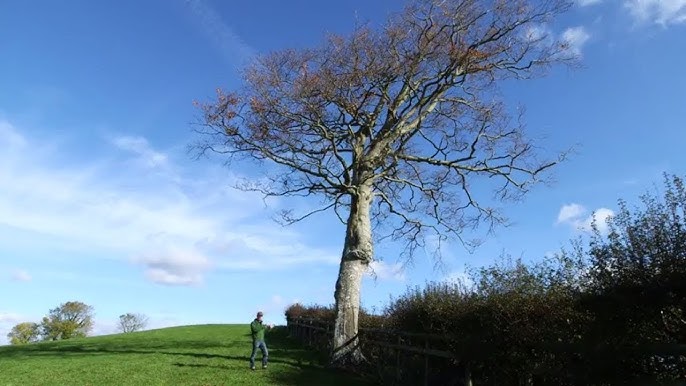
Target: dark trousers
262	346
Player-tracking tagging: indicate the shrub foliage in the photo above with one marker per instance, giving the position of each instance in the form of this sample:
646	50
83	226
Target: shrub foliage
609	310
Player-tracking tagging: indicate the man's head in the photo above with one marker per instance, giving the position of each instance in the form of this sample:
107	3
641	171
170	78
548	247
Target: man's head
259	316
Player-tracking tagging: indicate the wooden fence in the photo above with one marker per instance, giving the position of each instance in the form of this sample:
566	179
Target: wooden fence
399	357
424	359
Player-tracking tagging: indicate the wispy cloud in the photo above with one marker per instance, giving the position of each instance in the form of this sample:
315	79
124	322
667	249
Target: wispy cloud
576	38
575	215
461	278
573	37
20	275
237	249
385	271
225	40
140	147
586	3
662	12
10	137
177	226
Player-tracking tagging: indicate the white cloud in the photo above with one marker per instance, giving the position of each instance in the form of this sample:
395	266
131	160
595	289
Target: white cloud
7	321
570	212
602	216
460	277
575	37
586	3
440	246
385	271
538	33
177	225
273	309
9	317
9	137
141	147
20	275
174	266
662	12
574	215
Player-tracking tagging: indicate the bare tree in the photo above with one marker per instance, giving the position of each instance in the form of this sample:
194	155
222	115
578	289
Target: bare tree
132	322
392	126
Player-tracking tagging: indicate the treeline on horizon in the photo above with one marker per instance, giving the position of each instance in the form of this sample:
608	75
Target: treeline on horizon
72	319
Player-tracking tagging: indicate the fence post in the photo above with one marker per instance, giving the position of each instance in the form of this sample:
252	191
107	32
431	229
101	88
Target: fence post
330	328
426	362
315	333
397	360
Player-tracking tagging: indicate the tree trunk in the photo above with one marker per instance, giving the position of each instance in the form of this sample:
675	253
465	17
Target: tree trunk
357	254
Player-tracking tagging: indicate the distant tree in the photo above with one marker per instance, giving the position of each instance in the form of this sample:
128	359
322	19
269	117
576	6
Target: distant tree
398	129
132	322
69	320
24	333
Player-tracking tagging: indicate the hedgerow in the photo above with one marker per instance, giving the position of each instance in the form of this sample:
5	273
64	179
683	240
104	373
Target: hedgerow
611	310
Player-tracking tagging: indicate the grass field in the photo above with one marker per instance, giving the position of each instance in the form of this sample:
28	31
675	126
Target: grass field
191	355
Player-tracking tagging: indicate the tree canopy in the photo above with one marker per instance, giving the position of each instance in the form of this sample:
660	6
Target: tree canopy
393	126
68	320
410	108
24	333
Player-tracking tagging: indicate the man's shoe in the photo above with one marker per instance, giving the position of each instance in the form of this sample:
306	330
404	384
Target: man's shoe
252	368
264	366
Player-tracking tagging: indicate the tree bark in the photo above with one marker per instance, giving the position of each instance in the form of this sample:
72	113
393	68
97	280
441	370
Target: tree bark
357	254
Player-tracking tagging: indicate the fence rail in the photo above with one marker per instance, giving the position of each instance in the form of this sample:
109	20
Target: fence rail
408	357
319	333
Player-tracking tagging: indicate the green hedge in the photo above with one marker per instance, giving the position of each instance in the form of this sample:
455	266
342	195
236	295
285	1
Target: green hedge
609	311
327	314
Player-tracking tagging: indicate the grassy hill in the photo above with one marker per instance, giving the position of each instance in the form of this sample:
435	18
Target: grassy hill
191	355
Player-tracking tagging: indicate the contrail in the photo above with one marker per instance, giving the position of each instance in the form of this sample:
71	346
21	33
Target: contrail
229	44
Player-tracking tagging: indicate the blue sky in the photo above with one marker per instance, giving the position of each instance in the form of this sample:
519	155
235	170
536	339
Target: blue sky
100	203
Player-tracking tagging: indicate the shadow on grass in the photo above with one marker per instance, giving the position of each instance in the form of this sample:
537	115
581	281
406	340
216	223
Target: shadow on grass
85	346
300	366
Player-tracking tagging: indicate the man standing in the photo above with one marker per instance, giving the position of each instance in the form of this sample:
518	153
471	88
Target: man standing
257	329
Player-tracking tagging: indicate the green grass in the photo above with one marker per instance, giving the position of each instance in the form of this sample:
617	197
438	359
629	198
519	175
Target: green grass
191	355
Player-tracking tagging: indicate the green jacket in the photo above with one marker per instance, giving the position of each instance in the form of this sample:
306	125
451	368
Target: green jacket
257	329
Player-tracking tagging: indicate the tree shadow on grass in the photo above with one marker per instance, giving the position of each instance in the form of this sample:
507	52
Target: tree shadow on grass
301	366
304	374
85	346
297	365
